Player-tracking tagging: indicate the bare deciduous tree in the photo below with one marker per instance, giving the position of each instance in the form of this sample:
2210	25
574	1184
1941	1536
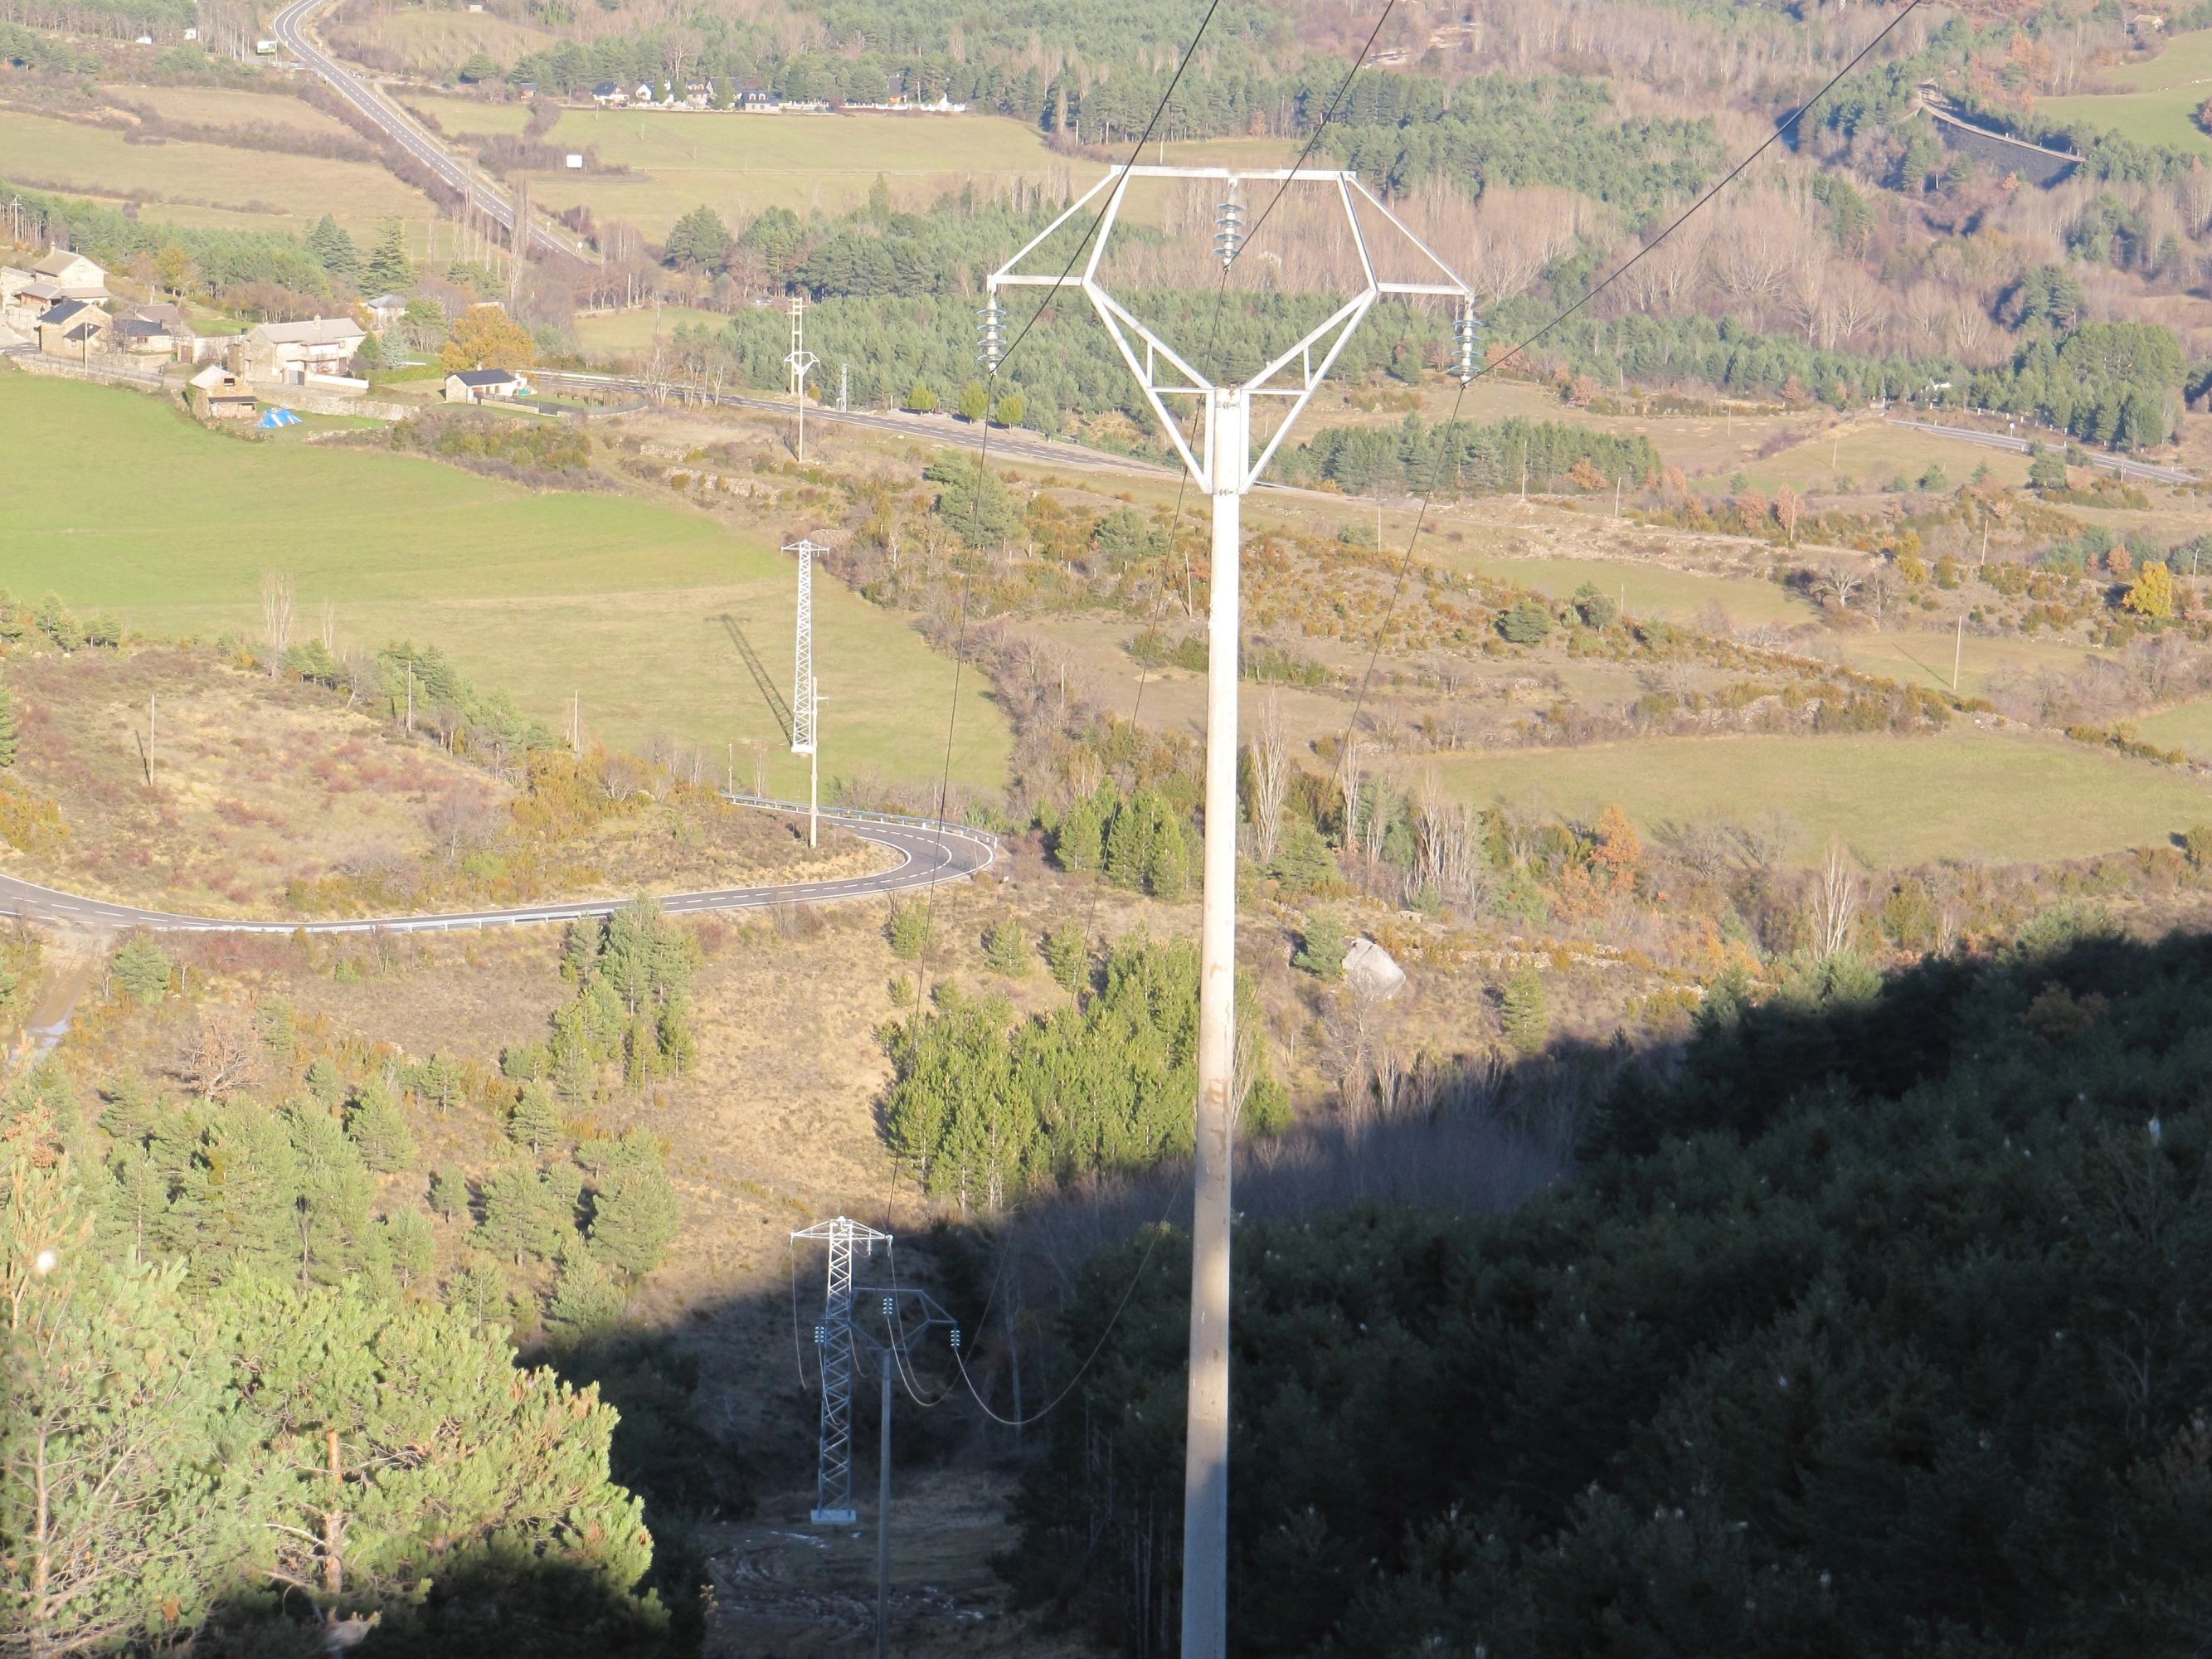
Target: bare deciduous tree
1271	779
276	616
1835	901
225	1054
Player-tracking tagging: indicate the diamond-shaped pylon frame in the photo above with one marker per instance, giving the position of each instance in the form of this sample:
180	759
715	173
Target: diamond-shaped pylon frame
1160	371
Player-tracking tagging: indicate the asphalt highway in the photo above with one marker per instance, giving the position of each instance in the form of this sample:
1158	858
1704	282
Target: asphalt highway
928	853
290	29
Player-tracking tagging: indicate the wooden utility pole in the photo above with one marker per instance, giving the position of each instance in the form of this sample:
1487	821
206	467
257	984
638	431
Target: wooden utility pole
1957	654
410	696
149	738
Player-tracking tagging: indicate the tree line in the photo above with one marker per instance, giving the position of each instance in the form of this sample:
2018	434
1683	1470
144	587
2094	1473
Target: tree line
984	1108
1469	457
1751	1383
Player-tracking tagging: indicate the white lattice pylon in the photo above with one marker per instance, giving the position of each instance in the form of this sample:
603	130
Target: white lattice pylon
832	1337
1225	466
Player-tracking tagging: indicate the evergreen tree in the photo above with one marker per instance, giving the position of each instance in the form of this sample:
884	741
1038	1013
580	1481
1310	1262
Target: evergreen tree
120	1513
331	245
1521	1011
131	1110
526	1213
1081	842
237	1209
411	1243
449	1193
479	1292
536	1120
379	1129
400	1444
588	1300
909	931
634	1212
1321	947
1067	954
331	1193
323	1082
699	241
1008	949
974	401
142	968
389	269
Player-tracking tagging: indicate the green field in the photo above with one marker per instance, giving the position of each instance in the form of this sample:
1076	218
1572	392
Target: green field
1894	800
633	331
116	502
65	156
741	164
2161	107
1871	453
2188	727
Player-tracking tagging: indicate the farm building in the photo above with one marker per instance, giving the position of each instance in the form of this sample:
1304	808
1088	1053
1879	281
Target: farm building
223	394
473	386
75	328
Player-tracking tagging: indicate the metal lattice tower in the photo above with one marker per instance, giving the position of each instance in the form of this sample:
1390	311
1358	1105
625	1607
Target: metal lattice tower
806	696
801	362
833	1338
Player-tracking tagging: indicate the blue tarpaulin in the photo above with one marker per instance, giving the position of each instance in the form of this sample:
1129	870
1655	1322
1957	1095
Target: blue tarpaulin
277	417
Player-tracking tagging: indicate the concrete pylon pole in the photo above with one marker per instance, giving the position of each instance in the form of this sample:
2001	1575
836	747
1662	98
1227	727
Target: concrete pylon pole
1206	1472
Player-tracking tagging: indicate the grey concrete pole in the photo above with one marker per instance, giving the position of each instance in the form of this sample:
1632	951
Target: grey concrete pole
1206	1470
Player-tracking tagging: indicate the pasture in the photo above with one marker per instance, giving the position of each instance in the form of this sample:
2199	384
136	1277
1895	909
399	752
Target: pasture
273	191
118	503
1895	801
738	165
2159	105
228	107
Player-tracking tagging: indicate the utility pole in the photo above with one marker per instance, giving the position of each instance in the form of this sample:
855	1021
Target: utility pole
149	738
410	696
1226	470
805	699
801	362
844	387
1958	655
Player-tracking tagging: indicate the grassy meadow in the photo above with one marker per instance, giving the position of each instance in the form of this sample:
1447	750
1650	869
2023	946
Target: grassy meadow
276	191
117	502
1894	800
2159	105
739	164
230	106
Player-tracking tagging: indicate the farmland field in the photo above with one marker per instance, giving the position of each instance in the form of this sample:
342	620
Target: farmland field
522	588
65	156
1894	800
2161	102
224	107
739	164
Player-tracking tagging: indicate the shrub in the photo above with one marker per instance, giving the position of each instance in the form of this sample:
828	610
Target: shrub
1008	949
1526	623
909	932
1322	946
142	969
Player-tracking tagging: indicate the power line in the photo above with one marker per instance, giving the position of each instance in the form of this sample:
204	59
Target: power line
1428	495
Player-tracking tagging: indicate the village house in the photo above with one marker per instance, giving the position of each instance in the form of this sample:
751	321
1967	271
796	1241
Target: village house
60	275
223	394
608	95
151	330
473	386
384	310
75	328
291	351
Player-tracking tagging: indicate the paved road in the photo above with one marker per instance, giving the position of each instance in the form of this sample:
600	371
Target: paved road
290	28
907	426
2120	464
928	853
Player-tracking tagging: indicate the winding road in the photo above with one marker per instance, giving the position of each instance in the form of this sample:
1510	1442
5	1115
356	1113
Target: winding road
929	853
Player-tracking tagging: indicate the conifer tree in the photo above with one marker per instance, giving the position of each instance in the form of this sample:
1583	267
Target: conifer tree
1007	950
536	1120
412	1244
588	1300
635	1212
389	269
334	249
523	1214
1067	954
449	1193
330	1193
379	1129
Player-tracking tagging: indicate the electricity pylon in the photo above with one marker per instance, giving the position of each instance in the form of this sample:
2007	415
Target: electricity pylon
1224	467
801	362
908	1314
806	700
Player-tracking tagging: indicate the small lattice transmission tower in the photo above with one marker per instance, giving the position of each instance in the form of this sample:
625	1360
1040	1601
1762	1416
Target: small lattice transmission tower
832	1337
805	697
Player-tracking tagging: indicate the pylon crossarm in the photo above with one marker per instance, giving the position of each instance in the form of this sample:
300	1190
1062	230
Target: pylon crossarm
1352	315
1044	236
1451	284
1114	316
